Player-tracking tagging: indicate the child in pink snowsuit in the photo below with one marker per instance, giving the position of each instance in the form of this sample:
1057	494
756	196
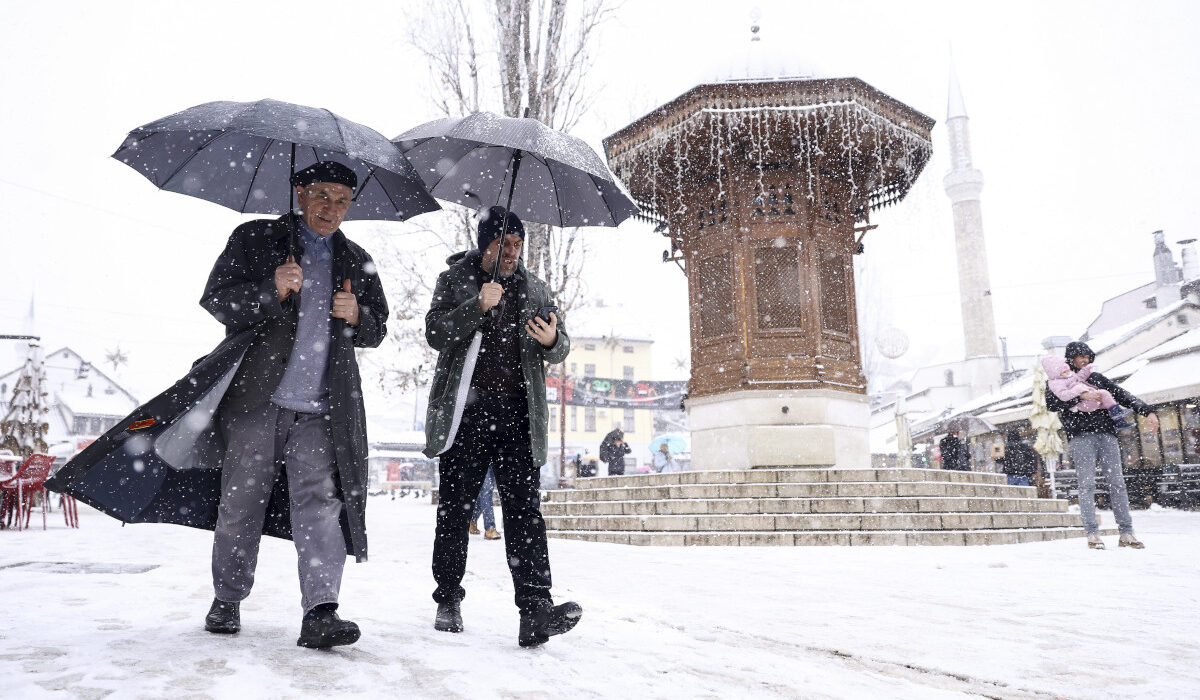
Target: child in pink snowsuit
1068	385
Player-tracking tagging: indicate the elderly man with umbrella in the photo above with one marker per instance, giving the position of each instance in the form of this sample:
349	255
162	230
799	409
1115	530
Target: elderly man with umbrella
279	405
266	434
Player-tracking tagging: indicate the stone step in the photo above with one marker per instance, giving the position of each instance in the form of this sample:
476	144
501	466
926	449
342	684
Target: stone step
810	521
794	490
702	506
771	476
841	537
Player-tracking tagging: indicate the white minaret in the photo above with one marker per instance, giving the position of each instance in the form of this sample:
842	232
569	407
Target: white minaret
963	184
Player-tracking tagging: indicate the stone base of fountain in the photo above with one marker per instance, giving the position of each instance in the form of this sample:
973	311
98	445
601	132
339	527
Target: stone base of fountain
784	428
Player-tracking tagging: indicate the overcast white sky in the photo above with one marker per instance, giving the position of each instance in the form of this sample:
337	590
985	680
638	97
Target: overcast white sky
1082	118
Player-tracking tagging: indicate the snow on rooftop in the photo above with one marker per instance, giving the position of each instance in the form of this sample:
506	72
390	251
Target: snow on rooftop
1115	336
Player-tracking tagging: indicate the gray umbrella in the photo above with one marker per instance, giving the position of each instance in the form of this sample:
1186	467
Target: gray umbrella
483	160
242	155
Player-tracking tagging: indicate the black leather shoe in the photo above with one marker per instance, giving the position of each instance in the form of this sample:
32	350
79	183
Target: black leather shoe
539	626
449	617
223	618
322	628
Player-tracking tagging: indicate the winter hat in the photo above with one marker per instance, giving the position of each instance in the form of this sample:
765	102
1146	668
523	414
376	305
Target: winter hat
491	224
1054	366
1076	348
326	171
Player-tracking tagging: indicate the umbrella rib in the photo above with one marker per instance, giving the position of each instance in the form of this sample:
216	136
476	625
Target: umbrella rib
512	185
341	134
607	204
385	193
194	153
250	187
363	186
556	202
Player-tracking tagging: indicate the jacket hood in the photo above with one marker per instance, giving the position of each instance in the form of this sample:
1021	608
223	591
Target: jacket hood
1054	366
1079	348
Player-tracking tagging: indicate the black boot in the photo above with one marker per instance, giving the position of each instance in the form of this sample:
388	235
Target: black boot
449	617
223	618
539	626
322	628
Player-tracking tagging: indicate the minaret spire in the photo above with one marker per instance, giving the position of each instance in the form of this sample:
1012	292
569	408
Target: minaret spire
963	185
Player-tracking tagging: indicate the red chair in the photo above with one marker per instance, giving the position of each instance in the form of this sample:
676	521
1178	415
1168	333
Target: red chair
19	490
70	511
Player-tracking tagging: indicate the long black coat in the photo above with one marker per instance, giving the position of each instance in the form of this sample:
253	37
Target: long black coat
162	462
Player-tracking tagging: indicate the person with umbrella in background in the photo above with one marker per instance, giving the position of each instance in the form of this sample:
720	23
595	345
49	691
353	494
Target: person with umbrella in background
493	326
664	461
289	392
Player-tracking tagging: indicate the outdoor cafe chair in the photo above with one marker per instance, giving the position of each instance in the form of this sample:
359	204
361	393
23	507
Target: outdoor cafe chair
18	491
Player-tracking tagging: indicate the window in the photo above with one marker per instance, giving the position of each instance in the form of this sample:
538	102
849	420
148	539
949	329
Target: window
589	346
628	426
589	420
589	370
1151	453
1191	433
554	418
574	421
835	300
1172	439
949	377
628	372
574	369
628	349
779	287
715	295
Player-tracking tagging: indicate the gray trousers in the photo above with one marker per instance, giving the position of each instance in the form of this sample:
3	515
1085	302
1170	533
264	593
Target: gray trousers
257	444
1090	451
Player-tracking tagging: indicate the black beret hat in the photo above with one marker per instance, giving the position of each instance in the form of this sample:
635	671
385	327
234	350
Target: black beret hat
326	171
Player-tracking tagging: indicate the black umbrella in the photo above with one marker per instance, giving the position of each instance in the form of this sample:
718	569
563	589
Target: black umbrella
536	172
242	155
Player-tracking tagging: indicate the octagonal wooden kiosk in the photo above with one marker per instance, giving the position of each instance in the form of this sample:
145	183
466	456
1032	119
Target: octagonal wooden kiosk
765	189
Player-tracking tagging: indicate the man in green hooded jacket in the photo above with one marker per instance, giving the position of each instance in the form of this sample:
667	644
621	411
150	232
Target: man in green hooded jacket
487	407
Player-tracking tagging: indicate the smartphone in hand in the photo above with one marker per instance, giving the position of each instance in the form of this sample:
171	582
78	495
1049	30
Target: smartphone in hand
544	312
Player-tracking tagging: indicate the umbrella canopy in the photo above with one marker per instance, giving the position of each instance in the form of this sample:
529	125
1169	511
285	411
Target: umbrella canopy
481	160
675	444
242	155
971	425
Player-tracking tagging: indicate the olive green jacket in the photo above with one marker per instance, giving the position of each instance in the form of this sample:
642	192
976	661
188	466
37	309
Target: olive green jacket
453	328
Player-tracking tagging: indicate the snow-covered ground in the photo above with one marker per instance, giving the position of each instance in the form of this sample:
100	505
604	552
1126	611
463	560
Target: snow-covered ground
111	611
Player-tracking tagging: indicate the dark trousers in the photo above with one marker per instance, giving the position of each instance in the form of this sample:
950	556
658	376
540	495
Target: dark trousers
494	432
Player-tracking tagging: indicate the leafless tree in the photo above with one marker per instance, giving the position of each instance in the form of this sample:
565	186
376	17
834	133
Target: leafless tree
535	55
501	56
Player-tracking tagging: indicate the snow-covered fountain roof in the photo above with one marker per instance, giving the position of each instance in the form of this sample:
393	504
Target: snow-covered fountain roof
889	140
